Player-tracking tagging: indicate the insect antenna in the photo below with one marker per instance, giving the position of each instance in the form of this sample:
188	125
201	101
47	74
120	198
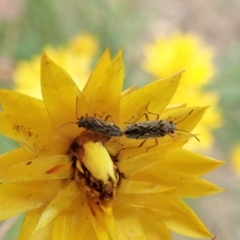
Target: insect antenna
76	108
184	117
184	130
66	124
75	113
188	133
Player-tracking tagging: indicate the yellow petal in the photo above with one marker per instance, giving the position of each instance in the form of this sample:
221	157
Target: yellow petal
98	221
20	197
73	222
174	106
127	224
18	103
157	94
138	162
177	216
181	184
58	204
100	68
157	99
192	188
185	118
34	135
186	161
128	186
106	92
37	169
187	223
14	157
59	95
90	234
127	91
153	227
109	221
29	224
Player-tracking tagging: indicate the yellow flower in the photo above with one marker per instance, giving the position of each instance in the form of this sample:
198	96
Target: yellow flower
78	184
235	158
186	51
76	58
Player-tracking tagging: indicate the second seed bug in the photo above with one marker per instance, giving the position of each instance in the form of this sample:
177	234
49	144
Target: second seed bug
153	129
96	125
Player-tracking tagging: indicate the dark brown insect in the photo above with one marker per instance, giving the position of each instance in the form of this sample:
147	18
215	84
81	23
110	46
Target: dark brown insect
99	126
149	129
153	129
96	125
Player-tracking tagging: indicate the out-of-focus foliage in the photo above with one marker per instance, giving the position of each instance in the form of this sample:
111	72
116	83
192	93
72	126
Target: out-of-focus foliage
228	85
55	22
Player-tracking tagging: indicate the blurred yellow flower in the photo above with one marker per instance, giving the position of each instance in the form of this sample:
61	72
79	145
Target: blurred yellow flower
235	158
76	58
187	52
78	184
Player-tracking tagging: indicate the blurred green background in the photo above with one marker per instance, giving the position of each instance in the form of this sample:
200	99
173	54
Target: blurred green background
27	26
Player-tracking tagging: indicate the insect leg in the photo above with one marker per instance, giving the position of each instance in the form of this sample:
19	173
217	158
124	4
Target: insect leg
97	115
107	117
141	144
153	114
146	116
156	141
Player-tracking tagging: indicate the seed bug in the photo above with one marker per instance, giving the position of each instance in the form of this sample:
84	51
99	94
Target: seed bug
153	129
96	125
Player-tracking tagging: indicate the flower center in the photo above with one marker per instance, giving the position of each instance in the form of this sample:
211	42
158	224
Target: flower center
94	171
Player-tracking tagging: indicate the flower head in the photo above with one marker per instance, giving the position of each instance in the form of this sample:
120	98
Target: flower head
186	51
235	157
86	183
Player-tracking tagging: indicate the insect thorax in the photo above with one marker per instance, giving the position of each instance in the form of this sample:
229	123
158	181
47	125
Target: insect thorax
164	127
